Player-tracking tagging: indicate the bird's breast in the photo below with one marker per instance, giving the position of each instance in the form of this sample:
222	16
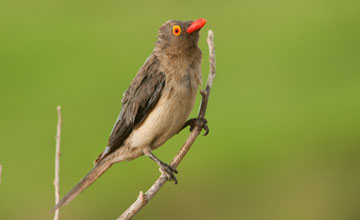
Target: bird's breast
169	114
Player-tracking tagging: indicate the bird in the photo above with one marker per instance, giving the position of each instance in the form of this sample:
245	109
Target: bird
157	103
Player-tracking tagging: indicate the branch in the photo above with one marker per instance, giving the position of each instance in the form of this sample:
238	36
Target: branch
143	199
0	172
57	162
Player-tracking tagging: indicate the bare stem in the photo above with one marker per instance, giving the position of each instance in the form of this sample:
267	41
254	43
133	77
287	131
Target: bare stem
0	172
143	199
57	162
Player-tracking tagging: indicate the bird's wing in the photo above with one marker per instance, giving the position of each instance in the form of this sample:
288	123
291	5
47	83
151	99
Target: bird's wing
138	101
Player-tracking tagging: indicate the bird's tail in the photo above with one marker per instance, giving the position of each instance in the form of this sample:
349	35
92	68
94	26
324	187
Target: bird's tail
93	175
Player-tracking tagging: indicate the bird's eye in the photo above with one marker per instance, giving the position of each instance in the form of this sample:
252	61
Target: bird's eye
176	30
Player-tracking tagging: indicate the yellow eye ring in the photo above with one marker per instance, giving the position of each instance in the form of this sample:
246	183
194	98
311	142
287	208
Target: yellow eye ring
176	30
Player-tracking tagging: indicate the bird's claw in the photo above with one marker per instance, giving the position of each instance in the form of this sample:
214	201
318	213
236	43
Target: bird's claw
168	171
201	122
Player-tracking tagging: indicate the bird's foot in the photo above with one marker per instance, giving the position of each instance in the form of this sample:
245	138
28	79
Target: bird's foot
168	171
201	122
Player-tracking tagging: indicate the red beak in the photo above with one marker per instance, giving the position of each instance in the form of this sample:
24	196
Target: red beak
196	25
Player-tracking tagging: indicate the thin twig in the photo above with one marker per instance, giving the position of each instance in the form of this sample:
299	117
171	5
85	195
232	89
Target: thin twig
143	199
0	172
57	163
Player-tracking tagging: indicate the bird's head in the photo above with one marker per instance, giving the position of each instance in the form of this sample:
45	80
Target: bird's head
179	36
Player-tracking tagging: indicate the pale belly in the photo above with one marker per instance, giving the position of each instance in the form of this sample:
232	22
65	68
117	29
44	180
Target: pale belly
166	119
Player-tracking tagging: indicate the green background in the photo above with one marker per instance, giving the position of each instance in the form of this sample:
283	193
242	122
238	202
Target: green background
284	111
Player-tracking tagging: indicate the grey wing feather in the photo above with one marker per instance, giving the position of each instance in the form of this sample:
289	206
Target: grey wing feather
138	101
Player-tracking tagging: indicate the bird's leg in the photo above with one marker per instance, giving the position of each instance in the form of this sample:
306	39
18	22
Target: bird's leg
165	169
202	122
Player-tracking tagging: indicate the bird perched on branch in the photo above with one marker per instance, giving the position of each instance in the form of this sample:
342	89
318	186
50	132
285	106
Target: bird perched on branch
157	103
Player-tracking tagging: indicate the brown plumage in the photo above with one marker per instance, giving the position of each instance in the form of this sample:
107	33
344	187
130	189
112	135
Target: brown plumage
157	103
